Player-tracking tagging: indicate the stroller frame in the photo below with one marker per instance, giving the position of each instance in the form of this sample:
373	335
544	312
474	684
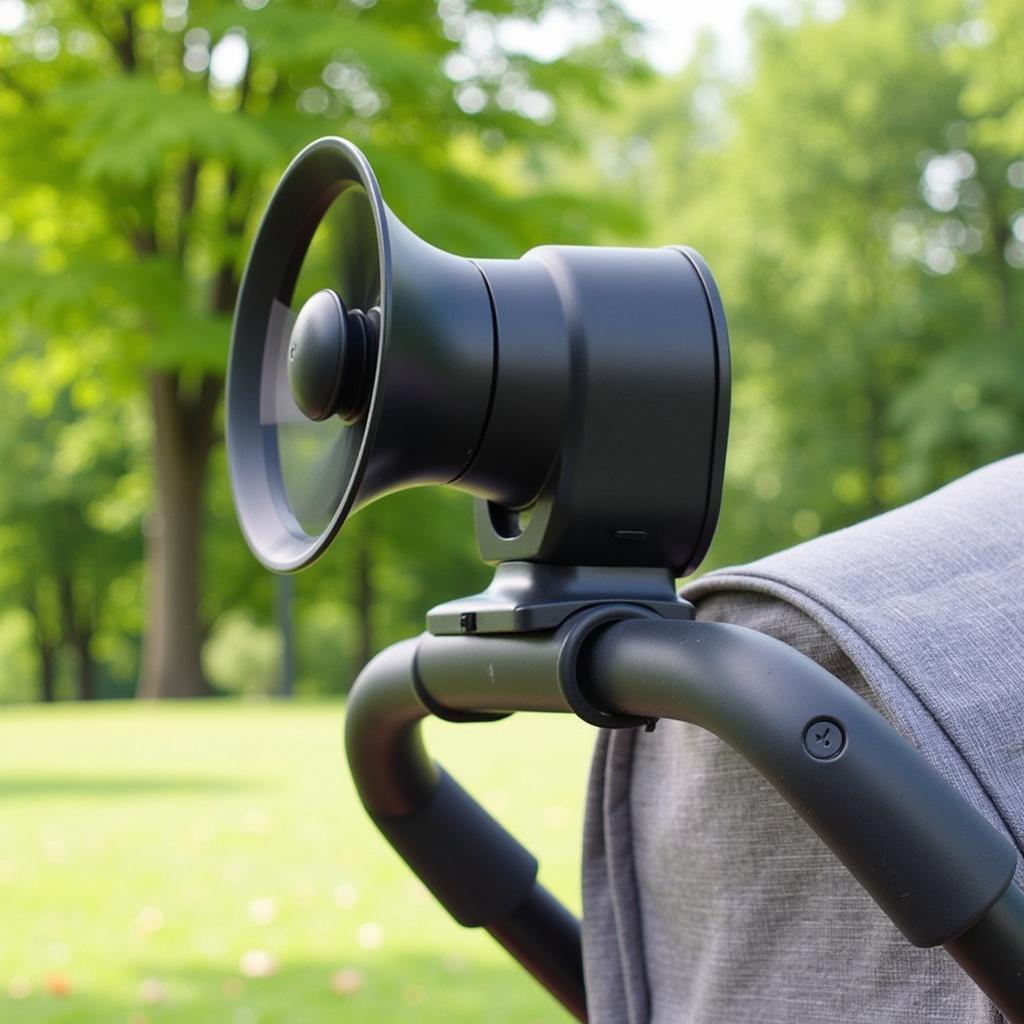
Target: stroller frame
940	871
582	395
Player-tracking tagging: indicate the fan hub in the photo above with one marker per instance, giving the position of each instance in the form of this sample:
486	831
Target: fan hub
329	364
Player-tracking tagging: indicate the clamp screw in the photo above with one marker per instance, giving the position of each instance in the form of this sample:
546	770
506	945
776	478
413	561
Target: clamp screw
824	739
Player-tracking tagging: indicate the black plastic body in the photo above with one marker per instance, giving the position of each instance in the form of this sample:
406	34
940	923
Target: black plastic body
992	953
430	388
937	868
525	597
926	856
581	394
482	878
478	872
613	375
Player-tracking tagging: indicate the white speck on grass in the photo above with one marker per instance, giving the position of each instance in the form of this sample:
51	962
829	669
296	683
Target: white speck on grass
19	987
58	953
257	963
257	821
346	896
149	920
347	982
152	991
370	936
263	910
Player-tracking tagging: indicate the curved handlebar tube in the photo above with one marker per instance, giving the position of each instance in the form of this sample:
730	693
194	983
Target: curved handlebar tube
936	867
480	874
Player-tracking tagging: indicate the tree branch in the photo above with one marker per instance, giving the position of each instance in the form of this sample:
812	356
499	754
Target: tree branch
30	97
210	388
123	47
187	192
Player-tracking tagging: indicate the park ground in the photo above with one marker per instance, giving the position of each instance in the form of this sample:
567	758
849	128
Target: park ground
209	862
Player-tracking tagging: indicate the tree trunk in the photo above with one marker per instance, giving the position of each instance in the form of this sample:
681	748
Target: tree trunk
47	670
85	667
84	664
284	611
183	438
1003	274
46	649
77	623
364	598
874	439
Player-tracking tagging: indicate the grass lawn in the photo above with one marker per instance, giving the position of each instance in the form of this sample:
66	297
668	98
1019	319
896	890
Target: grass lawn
209	862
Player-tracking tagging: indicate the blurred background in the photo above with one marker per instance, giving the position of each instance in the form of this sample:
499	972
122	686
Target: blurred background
854	174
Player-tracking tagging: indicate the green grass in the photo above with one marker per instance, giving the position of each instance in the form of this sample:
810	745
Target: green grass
144	850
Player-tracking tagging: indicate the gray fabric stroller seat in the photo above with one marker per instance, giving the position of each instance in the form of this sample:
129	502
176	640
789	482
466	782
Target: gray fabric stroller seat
706	899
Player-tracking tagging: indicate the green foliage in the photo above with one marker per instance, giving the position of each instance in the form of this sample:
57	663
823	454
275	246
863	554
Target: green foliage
70	506
858	194
140	141
856	200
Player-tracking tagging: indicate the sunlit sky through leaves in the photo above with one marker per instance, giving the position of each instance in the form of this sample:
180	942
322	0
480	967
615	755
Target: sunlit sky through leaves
673	29
674	26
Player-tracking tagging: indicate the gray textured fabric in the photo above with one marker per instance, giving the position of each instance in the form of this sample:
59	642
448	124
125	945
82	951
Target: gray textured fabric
706	900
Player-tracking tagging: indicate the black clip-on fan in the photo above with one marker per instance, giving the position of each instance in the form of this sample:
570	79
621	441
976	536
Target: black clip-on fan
582	395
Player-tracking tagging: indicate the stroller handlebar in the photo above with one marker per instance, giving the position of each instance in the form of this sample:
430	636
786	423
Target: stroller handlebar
933	863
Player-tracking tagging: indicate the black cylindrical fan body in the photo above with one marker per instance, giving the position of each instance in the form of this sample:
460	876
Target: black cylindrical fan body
581	394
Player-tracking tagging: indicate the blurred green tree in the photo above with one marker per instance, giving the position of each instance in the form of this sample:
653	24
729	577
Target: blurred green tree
856	195
68	515
965	406
140	139
859	193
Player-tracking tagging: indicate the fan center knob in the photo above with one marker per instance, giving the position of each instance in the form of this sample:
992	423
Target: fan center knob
330	368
